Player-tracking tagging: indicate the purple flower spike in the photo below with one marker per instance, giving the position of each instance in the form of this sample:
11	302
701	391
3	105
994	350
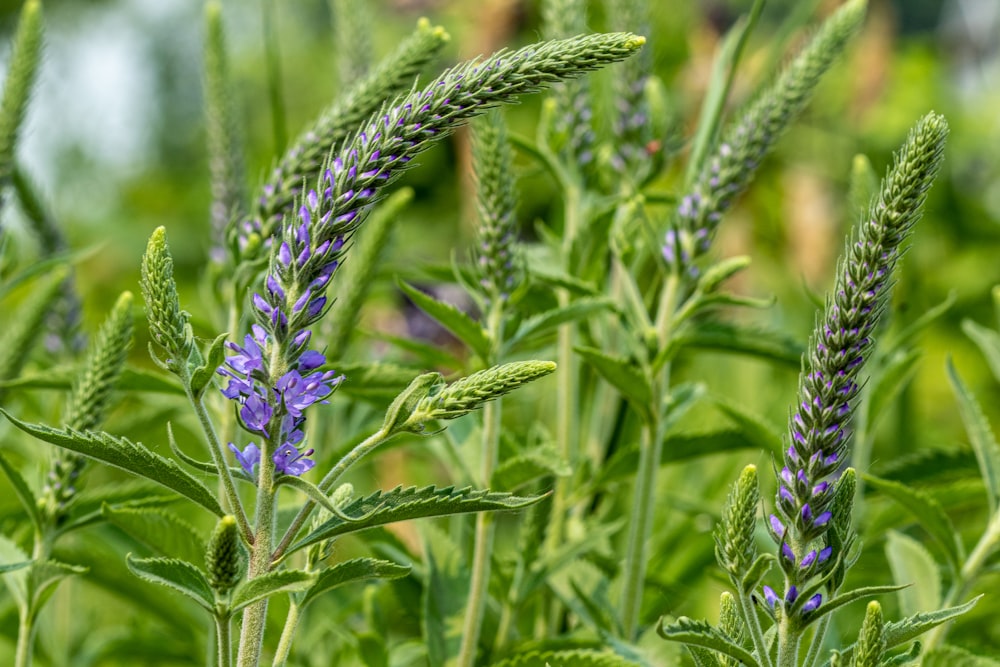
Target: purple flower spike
777	526
808	559
248	458
770	597
812	604
290	461
792	594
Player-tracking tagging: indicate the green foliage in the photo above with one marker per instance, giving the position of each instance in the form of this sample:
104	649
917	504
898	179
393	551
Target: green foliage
352	571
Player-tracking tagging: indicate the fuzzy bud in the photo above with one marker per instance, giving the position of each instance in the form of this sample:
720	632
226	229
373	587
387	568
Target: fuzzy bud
224	556
168	326
735	546
871	641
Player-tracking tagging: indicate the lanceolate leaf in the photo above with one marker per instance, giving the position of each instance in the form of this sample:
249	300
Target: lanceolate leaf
701	634
952	656
900	632
451	318
412	503
622	374
272	583
22	491
547	322
575	657
179	575
203	375
749	341
131	380
912	566
129	456
10	567
980	435
162	531
988	342
854	596
378	381
43	577
897	372
928	512
516	471
348	572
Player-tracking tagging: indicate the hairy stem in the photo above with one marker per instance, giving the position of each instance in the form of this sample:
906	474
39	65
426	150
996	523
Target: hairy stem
223	633
752	622
816	645
485	528
255	616
287	633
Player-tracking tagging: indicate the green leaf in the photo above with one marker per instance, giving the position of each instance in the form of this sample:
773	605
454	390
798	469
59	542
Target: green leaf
128	456
928	513
623	375
454	320
701	634
953	656
179	575
517	471
750	341
131	380
853	596
925	320
863	186
980	436
908	629
42	578
560	280
23	492
914	567
162	531
539	325
404	405
565	658
413	503
349	572
11	567
426	355
754	427
893	376
272	583
445	592
988	342
86	507
202	376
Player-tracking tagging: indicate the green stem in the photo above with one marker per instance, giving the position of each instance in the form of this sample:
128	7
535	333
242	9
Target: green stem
788	644
984	548
255	616
25	637
816	645
640	526
223	633
274	75
215	449
287	633
752	622
485	528
352	457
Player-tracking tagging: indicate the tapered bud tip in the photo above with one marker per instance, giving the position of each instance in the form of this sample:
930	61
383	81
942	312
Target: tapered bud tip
213	10
635	42
32	7
159	236
874	608
124	301
227	521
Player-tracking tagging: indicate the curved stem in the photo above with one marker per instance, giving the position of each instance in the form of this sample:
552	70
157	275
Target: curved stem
215	448
325	484
480	582
752	622
287	633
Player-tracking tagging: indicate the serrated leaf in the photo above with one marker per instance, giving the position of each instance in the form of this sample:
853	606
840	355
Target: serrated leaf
901	632
402	504
953	656
131	380
454	320
980	436
623	376
739	339
853	596
539	325
22	491
445	592
126	455
272	583
85	509
42	578
160	530
912	566
11	567
566	658
988	342
699	633
753	427
349	572
179	575
202	376
517	471
928	513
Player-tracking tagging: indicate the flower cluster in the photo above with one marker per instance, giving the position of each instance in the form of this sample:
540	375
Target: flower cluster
745	144
275	412
819	428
